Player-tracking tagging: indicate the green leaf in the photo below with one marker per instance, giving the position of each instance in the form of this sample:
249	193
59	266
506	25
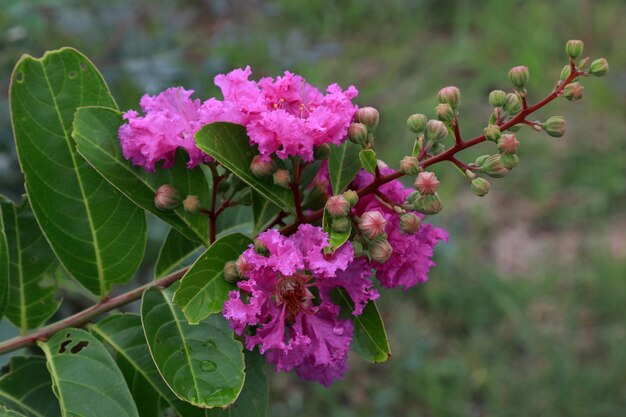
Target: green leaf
95	133
229	144
85	378
5	412
343	165
335	238
370	337
264	212
254	398
31	263
4	268
124	333
176	252
236	219
97	234
203	290
202	364
368	160
27	388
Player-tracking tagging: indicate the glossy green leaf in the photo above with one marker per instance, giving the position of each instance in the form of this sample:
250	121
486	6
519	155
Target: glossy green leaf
124	333
368	160
203	364
95	133
335	238
97	234
176	252
5	412
4	268
229	144
264	212
27	388
370	337
85	378
31	267
343	165
236	219
203	290
254	398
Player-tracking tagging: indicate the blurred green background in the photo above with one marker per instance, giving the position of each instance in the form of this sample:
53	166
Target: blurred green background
526	312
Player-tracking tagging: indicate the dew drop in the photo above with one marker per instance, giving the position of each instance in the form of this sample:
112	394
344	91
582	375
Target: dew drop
209	344
208	366
19	77
72	74
338	330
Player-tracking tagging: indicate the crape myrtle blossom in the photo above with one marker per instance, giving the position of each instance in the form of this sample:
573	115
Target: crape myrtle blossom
285	116
411	258
285	300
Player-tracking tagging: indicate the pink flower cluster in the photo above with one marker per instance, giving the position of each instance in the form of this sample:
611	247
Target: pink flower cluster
286	298
285	116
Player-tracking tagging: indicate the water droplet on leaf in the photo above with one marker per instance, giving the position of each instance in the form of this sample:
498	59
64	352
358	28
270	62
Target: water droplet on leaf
208	366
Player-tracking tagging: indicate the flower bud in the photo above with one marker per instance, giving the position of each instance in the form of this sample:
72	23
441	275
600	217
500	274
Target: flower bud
369	116
230	272
599	67
566	72
436	130
574	48
494	167
426	182
282	178
519	76
497	98
444	112
381	251
513	104
480	161
437	148
372	224
352	197
555	126
260	167
509	161
573	91
583	64
492	133
508	144
340	224
480	186
417	122
338	206
428	203
260	248
450	95
166	197
245	197
409	223
243	267
321	151
191	203
412	198
357	133
409	165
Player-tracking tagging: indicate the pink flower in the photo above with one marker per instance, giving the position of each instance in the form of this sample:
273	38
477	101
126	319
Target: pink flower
411	258
286	298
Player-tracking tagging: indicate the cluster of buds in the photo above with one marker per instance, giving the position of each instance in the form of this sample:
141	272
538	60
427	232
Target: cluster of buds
372	239
425	199
167	197
339	207
365	123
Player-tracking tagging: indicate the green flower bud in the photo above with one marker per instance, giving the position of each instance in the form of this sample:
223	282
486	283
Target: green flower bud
436	130
282	178
497	98
583	64
599	67
230	272
245	197
513	103
340	224
321	151
380	251
412	198
260	167
450	95
260	248
437	148
444	112
417	122
369	116
338	206
410	165
409	223
573	91
566	72
191	204
493	166
428	204
574	48
352	197
519	76
480	161
166	197
555	126
492	133
480	186
357	133
509	161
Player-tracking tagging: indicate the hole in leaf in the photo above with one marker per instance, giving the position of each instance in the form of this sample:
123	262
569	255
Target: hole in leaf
19	77
79	346
63	345
68	335
83	66
72	74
